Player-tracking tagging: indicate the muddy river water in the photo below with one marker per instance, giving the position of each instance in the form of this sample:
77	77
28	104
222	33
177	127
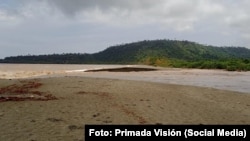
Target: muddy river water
220	79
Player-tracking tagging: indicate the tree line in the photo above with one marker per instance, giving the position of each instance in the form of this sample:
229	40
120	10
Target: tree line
167	53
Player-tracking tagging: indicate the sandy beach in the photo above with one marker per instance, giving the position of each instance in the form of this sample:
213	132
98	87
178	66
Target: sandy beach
54	104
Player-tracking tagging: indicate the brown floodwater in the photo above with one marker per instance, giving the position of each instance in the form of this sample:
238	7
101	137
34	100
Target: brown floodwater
220	79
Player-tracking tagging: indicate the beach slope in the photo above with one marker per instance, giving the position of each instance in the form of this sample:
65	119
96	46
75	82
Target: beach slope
58	108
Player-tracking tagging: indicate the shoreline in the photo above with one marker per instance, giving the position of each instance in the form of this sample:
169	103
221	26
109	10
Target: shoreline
219	79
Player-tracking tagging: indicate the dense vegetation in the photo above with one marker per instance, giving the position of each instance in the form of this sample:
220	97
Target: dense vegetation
167	53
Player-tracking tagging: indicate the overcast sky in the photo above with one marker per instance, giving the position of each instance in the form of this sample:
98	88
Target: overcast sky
88	26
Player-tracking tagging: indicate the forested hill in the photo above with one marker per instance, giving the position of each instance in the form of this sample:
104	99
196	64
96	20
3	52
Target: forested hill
156	52
171	49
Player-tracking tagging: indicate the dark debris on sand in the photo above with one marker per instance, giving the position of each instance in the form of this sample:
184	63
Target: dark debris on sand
24	92
123	69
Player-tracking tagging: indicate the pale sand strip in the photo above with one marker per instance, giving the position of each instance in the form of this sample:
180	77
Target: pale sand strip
106	101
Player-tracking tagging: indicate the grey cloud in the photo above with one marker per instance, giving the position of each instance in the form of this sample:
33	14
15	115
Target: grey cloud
168	13
181	15
71	7
236	17
55	26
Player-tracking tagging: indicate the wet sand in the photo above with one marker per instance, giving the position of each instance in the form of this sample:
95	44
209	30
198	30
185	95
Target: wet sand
57	107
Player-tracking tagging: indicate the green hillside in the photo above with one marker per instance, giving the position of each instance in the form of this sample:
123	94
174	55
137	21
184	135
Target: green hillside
183	50
168	53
